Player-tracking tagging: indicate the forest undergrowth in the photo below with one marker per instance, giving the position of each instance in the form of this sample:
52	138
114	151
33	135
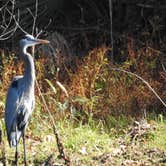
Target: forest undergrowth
103	116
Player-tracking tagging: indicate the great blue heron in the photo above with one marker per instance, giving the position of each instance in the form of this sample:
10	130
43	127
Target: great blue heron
20	97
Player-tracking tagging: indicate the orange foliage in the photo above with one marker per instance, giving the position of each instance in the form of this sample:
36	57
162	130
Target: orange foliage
106	91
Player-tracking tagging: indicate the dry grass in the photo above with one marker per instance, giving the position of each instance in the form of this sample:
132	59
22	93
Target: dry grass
92	87
92	143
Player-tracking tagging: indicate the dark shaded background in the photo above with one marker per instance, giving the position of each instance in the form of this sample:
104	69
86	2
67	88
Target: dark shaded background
85	24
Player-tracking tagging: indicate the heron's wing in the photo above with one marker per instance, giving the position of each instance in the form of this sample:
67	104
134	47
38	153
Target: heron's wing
12	103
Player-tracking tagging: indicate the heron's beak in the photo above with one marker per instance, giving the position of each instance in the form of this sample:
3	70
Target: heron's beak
41	41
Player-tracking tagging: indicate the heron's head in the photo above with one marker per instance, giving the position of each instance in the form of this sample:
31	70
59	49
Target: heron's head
29	41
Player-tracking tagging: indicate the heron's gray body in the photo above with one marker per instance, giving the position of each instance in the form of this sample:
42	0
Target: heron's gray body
20	102
20	98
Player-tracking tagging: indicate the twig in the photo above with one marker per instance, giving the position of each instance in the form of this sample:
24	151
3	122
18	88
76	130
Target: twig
10	19
7	32
151	6
17	23
0	134
111	30
48	161
144	81
59	143
60	146
34	17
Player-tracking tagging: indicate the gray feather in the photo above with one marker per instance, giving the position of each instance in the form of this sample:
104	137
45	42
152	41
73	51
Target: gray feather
18	110
20	97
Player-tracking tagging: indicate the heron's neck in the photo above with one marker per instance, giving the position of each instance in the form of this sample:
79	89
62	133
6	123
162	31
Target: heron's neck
29	73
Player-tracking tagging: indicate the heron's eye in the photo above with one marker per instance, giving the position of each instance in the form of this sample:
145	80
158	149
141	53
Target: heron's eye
24	38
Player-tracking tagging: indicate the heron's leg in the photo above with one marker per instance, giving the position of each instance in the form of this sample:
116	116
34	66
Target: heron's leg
16	154
23	137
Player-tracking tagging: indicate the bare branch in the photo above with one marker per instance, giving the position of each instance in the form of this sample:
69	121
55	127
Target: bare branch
151	6
17	23
7	30
144	81
58	141
111	31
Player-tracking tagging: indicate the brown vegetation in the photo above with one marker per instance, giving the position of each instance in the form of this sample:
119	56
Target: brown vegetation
93	87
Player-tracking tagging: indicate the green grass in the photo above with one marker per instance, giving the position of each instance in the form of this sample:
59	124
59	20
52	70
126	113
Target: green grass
90	143
159	135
